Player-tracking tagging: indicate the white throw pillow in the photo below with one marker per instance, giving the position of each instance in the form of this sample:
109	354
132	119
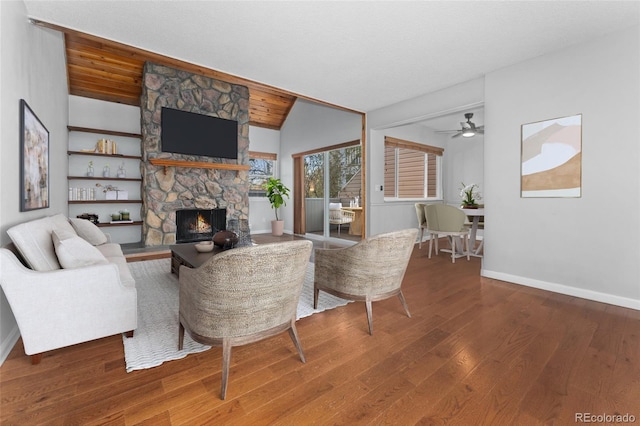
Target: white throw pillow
74	251
89	231
33	240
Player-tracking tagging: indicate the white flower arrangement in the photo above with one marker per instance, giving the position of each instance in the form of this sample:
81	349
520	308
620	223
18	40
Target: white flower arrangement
469	194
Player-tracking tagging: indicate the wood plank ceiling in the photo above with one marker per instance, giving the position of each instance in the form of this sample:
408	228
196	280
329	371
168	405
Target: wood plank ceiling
110	71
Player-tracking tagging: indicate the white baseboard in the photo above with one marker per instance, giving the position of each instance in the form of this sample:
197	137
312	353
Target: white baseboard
9	343
610	299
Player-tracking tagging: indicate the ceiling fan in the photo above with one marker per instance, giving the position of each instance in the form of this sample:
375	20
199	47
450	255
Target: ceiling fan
468	129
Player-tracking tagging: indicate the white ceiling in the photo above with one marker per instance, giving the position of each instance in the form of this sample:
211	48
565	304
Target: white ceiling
357	54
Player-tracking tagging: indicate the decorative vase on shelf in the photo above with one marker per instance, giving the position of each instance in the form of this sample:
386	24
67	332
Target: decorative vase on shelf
122	173
106	171
90	169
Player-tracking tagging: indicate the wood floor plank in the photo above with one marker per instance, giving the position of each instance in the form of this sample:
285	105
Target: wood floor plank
475	351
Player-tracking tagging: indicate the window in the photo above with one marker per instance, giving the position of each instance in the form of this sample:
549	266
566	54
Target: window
262	167
411	170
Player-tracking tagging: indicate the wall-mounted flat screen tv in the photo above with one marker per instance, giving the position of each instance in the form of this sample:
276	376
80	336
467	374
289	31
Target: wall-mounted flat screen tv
189	133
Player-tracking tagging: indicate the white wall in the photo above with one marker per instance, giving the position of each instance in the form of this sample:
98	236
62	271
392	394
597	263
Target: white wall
32	68
588	246
396	120
463	162
311	126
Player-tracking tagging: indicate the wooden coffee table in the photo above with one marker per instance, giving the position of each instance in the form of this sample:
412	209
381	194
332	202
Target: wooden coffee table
187	255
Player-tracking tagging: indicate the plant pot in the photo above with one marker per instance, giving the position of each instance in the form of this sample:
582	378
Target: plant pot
277	227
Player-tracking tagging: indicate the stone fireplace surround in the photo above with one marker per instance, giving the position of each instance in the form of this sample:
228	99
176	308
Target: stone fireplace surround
168	189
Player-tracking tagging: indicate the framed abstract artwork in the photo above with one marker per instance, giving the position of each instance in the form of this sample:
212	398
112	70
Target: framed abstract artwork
551	162
34	161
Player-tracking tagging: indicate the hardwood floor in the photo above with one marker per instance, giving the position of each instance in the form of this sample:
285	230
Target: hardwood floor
475	351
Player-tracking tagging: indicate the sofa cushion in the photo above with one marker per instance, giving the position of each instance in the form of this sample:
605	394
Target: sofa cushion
74	251
33	240
114	254
89	231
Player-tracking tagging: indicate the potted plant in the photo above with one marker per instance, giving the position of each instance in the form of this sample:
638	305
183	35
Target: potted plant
276	193
469	194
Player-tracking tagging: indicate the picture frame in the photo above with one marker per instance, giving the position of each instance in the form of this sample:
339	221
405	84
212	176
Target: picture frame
34	161
551	158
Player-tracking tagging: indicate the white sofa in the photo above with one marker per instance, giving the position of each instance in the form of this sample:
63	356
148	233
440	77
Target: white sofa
66	284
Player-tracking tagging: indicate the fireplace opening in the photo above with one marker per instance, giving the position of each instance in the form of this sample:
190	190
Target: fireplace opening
199	224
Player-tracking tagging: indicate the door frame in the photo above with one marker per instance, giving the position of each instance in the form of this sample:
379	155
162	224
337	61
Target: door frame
299	225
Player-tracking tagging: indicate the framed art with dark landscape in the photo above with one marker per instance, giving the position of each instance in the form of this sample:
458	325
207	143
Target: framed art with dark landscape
551	163
34	161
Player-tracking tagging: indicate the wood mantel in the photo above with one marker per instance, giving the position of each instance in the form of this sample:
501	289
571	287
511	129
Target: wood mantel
166	162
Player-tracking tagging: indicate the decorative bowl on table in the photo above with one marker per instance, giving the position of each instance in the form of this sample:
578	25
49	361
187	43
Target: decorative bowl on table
225	239
204	246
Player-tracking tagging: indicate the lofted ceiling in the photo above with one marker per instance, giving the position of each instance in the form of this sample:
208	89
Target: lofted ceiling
109	71
357	55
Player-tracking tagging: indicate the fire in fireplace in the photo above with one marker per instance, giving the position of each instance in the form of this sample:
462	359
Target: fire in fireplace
199	224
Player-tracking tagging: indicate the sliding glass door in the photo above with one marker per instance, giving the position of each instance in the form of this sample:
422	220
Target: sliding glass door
333	192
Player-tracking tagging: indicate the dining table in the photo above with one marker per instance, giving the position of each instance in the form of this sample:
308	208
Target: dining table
475	215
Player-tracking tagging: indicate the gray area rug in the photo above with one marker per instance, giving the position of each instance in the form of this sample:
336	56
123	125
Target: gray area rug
156	338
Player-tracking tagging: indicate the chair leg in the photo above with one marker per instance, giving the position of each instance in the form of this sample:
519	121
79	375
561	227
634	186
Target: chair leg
453	249
296	340
420	238
369	316
437	238
404	304
430	244
316	294
180	336
226	360
36	358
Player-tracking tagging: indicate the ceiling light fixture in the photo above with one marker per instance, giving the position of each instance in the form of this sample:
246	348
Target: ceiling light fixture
467	133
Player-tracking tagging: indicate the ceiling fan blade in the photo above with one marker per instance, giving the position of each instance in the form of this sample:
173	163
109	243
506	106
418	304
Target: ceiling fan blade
480	127
456	135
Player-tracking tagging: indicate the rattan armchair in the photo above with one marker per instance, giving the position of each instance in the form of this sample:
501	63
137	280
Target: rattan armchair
242	296
368	271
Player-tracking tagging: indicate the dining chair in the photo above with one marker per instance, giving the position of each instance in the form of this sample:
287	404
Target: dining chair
447	221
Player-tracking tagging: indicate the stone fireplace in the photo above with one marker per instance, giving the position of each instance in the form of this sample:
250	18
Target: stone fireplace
199	224
167	190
